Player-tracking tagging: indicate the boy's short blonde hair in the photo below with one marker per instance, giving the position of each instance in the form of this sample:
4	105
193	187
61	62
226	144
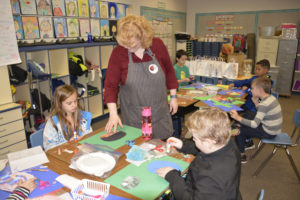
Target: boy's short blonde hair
136	27
210	123
264	83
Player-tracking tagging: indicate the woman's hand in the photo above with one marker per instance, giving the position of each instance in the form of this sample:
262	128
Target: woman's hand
173	106
113	122
175	142
162	172
30	184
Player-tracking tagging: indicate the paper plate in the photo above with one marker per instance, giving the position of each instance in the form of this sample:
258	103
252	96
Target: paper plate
96	163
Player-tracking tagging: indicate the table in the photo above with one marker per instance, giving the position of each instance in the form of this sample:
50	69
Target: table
60	163
201	104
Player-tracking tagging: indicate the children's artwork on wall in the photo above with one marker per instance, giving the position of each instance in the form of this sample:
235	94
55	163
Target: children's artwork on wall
46	27
60	27
120	10
28	7
94	8
112	10
15	6
104	27
128	9
58	7
83	8
113	28
31	28
95	27
73	27
84	27
103	10
71	8
18	27
44	7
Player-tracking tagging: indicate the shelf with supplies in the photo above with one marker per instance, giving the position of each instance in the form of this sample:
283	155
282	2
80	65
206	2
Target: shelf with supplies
55	61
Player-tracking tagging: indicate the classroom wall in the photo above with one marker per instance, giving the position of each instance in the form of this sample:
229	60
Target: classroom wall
211	6
173	5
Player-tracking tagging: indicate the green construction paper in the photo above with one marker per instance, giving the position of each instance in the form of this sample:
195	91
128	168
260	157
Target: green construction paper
237	102
151	185
188	88
131	134
218	103
204	98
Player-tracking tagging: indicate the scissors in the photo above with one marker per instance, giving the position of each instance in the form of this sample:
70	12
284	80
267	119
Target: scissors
130	142
158	148
43	184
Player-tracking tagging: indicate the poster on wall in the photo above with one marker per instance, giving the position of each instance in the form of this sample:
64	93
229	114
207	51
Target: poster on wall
104	27
60	27
28	7
84	26
95	27
83	8
112	10
73	27
94	8
18	27
44	7
121	10
103	10
71	8
58	7
46	27
31	28
15	6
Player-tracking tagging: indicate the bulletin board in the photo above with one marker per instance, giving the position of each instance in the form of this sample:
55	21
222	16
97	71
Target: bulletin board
225	23
165	24
243	22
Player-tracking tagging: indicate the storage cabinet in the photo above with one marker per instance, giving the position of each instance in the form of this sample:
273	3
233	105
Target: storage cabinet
267	49
12	134
286	60
55	60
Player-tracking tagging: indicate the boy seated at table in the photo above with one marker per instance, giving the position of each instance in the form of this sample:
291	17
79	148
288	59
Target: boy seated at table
181	70
261	70
215	171
268	119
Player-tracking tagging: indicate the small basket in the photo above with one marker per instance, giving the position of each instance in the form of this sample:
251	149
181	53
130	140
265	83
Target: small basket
90	190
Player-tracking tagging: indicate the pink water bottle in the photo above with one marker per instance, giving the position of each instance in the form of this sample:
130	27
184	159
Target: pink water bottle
146	123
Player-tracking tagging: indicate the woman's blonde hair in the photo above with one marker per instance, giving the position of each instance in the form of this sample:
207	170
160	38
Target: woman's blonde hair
61	94
210	123
136	27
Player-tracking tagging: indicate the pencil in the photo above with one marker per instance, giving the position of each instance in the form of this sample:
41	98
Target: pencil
42	170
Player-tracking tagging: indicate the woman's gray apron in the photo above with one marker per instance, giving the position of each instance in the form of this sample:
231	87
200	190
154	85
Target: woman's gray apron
146	86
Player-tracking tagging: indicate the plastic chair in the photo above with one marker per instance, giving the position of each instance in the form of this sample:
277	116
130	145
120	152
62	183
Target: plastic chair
282	140
296	120
36	138
261	195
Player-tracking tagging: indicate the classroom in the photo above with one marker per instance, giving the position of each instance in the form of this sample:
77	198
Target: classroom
161	99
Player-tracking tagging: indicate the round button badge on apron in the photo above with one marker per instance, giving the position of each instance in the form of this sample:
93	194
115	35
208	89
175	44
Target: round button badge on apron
153	68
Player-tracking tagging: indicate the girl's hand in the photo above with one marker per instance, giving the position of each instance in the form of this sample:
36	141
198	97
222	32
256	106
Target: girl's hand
175	142
162	172
29	184
113	122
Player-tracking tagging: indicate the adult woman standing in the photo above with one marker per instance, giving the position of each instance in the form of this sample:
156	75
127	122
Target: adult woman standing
141	65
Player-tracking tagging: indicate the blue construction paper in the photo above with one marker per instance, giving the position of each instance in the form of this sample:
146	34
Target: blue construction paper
224	92
49	176
232	107
155	165
195	85
113	197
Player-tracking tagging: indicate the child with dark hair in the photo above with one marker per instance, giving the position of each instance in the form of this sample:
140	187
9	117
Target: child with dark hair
268	119
181	70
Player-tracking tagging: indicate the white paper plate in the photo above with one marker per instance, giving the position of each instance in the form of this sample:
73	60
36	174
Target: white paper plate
96	163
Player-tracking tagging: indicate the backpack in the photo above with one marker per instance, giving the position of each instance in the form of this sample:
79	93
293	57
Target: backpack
17	75
76	65
46	103
36	69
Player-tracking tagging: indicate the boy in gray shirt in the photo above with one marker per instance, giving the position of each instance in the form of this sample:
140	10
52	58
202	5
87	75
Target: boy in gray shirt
268	119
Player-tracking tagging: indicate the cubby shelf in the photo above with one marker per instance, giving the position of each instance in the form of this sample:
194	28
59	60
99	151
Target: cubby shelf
55	59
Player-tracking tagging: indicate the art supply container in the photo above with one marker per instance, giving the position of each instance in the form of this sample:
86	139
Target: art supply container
146	123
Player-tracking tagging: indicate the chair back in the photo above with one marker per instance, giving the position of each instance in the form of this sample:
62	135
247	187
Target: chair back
36	138
297	118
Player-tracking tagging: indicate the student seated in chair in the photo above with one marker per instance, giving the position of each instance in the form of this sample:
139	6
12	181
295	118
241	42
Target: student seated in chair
215	171
268	119
181	70
67	121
